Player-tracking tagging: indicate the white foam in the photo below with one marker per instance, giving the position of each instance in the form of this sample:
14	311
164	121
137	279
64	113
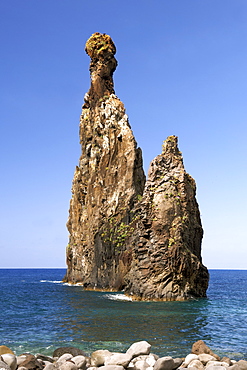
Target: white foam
118	297
51	281
60	282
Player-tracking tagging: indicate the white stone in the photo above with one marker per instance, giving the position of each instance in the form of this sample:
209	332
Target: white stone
196	363
98	357
216	363
4	366
10	360
188	359
151	360
164	363
111	367
205	358
20	359
139	348
64	357
141	365
80	361
120	359
67	365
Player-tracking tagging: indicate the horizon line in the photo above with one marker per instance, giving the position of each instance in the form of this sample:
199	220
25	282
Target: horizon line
43	268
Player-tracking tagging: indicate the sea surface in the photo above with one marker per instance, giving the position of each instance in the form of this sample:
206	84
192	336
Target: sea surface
38	314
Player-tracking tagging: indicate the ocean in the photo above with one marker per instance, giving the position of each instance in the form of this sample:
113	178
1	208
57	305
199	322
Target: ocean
39	314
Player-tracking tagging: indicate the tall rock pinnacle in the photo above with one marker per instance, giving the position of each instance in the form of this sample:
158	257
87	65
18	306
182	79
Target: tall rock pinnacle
126	233
106	183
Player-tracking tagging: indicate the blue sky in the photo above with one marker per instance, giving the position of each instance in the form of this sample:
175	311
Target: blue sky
181	71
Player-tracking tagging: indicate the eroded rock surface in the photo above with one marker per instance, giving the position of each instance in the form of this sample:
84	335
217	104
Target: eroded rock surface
166	254
147	242
107	182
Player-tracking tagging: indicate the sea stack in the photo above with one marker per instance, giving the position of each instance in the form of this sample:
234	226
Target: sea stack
166	258
126	233
108	181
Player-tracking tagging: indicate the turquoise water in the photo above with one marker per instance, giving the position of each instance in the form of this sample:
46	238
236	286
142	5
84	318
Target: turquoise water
39	314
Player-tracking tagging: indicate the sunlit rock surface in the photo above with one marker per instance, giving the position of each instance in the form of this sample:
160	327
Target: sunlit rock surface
166	255
122	236
107	182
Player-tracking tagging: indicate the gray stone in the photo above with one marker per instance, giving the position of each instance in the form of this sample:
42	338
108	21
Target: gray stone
164	363
49	366
44	358
31	363
177	362
80	361
120	359
45	363
3	365
242	364
10	360
227	360
72	350
234	367
139	348
41	362
215	367
98	357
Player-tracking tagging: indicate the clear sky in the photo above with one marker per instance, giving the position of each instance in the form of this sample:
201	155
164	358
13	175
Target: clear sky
181	71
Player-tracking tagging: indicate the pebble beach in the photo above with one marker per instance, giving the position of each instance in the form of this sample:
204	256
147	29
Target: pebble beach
138	356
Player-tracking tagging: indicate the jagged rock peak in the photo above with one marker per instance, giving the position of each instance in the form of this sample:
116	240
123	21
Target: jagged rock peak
166	258
101	50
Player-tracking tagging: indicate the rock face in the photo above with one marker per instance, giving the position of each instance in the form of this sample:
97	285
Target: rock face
166	258
107	182
122	236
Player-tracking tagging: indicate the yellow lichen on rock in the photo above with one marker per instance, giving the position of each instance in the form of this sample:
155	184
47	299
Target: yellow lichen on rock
99	44
5	349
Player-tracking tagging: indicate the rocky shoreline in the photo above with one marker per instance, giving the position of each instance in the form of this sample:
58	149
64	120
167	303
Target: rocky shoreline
137	357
